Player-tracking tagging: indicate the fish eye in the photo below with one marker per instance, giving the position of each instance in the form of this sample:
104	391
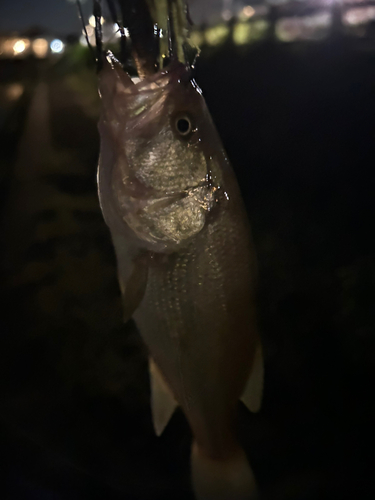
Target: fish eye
183	125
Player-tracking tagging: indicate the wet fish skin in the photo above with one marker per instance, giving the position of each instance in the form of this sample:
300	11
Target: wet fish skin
182	238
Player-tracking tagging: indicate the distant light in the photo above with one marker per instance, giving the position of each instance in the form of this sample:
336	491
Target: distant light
259	29
40	47
7	47
226	15
313	27
248	11
19	47
83	40
217	34
14	91
92	21
89	30
196	38
360	15
242	33
288	29
57	46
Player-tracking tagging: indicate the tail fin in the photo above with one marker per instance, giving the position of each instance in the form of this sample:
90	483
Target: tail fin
231	479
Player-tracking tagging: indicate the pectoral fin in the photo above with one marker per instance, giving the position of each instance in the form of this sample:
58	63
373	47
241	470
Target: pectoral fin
134	287
252	395
163	403
132	274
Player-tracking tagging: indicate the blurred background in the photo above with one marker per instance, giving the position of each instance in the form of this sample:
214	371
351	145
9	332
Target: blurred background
291	87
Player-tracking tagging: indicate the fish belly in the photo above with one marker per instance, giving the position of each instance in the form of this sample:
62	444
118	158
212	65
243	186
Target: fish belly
197	320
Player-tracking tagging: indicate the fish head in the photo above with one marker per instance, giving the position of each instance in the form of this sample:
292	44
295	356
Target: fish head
155	156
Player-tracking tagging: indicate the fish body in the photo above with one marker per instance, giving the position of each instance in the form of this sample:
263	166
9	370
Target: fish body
185	259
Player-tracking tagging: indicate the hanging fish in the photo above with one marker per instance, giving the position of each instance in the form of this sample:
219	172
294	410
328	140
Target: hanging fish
186	264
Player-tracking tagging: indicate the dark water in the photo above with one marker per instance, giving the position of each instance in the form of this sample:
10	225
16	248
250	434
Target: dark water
298	125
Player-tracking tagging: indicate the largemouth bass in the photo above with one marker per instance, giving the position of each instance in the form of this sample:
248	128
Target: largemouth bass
186	264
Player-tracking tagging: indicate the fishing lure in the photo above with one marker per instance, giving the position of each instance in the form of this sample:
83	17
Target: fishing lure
186	264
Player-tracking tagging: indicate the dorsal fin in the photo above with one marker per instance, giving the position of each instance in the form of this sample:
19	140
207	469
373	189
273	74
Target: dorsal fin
252	395
163	403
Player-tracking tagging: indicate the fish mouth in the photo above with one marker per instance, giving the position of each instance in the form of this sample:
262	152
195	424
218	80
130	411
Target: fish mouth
174	72
158	31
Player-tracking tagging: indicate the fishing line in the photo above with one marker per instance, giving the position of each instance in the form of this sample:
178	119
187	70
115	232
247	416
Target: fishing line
113	12
80	15
172	42
97	12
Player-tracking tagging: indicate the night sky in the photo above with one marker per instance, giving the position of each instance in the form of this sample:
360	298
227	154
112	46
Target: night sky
60	16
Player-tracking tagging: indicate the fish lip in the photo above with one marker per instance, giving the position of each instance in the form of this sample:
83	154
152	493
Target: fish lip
179	71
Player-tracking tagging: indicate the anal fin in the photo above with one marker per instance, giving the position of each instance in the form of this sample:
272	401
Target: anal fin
163	403
252	395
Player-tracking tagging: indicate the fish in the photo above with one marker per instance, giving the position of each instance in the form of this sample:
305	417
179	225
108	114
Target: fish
186	263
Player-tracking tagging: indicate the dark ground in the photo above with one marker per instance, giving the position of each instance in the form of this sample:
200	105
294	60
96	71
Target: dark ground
298	124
